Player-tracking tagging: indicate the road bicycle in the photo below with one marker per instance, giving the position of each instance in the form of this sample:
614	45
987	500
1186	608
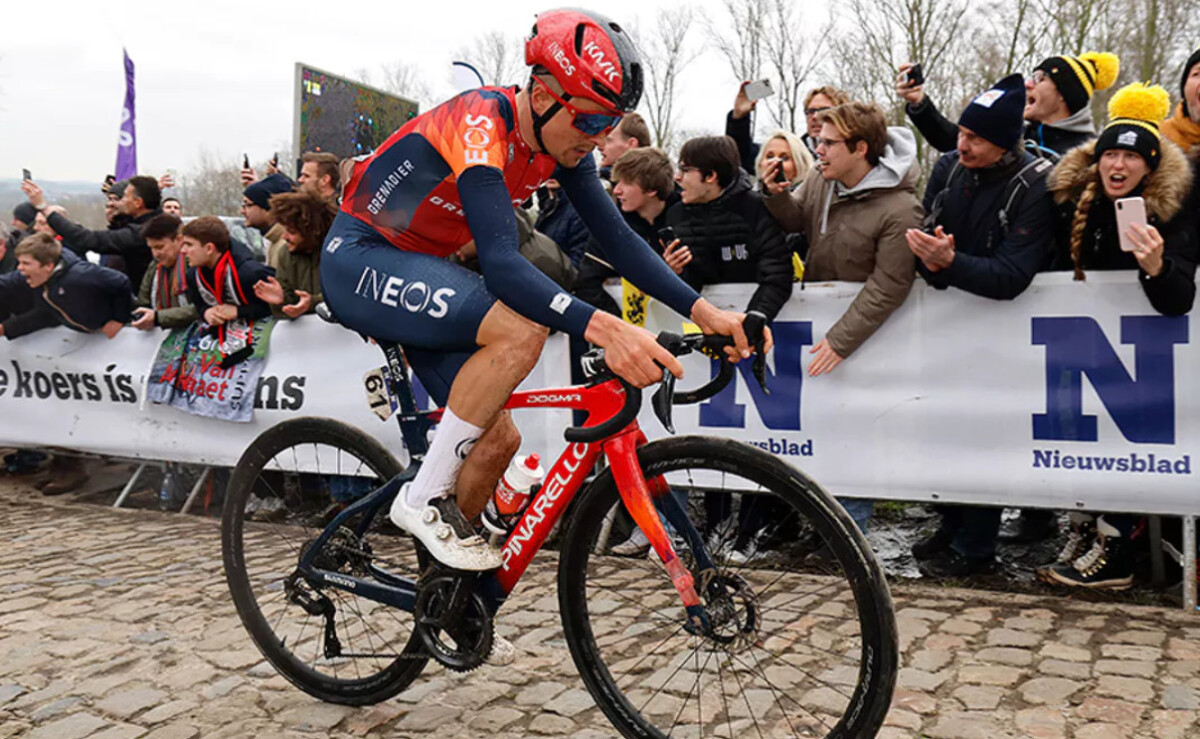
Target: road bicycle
685	642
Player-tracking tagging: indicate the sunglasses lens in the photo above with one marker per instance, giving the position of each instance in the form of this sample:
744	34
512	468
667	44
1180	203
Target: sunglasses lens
594	123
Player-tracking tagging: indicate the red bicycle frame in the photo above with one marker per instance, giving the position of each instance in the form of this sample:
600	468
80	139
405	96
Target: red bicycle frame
564	479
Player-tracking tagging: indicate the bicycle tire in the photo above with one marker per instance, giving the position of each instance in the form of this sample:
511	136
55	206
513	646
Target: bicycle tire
618	587
247	550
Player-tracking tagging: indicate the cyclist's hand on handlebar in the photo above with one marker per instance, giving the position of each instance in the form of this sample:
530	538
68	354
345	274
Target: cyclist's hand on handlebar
713	320
632	352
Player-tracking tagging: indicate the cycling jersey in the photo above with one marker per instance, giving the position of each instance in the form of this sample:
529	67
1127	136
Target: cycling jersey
407	190
453	174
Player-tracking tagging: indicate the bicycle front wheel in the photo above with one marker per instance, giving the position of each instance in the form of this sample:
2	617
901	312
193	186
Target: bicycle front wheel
286	488
789	653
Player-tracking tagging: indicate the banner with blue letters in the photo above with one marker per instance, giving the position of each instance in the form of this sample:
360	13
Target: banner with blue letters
1074	396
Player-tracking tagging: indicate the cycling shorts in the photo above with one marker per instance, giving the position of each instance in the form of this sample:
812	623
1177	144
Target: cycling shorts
429	306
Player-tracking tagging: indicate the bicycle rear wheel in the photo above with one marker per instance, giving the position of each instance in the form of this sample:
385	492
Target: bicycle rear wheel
791	653
286	488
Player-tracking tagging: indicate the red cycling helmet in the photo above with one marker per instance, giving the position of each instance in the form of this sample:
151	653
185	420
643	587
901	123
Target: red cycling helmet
589	55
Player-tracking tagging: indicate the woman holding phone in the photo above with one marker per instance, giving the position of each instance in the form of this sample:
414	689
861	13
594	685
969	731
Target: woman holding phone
1102	189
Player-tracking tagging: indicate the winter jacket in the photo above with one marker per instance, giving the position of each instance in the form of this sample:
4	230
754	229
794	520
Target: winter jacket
79	295
595	270
558	220
274	244
734	239
738	129
990	259
1166	192
238	287
8	260
1060	137
857	235
123	238
298	271
1181	130
160	292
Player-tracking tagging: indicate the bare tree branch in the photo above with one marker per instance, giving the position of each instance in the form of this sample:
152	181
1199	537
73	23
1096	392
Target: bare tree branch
664	55
498	57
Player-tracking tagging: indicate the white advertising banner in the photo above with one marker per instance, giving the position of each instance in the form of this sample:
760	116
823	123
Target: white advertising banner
1075	396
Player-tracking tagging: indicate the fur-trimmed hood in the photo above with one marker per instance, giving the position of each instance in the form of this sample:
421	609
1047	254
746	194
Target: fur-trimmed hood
1166	188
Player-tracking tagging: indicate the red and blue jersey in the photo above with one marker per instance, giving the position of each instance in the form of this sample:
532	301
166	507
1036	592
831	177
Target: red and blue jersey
407	189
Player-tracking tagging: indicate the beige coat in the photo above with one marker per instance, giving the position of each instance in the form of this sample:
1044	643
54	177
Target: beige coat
858	236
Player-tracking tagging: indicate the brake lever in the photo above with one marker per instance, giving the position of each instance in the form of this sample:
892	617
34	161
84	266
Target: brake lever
662	401
755	324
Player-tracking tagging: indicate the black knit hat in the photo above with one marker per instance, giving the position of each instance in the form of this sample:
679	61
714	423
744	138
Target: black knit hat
997	115
1133	117
1078	78
260	192
25	213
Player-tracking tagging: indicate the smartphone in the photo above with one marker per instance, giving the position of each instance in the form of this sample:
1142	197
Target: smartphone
759	89
914	76
666	235
245	161
780	177
1130	211
275	160
25	175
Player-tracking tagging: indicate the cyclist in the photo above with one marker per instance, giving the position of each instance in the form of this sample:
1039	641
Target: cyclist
451	175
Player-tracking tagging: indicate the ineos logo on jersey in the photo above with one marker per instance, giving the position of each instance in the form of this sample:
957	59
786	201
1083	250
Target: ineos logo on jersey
564	398
610	72
414	297
477	138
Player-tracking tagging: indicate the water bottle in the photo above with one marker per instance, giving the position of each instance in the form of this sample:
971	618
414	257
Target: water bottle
165	493
512	494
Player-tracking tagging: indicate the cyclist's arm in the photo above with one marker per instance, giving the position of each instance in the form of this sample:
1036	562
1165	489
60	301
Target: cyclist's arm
508	275
628	253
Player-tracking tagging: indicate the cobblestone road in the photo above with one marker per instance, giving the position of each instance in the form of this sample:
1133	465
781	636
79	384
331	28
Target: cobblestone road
118	624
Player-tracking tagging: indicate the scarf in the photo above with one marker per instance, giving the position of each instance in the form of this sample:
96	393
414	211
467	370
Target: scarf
1181	130
168	289
226	287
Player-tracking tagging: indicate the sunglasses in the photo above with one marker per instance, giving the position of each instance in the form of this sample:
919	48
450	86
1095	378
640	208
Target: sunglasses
587	123
814	111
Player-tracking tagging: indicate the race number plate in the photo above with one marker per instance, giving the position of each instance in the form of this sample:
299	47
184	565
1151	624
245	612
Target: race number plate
379	396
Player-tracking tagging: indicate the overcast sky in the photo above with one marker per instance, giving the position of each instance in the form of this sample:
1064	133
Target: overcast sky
219	74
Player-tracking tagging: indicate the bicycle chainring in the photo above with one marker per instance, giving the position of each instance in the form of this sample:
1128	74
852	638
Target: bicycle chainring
453	622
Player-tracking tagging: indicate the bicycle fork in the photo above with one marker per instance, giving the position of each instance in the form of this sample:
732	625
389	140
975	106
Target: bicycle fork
639	501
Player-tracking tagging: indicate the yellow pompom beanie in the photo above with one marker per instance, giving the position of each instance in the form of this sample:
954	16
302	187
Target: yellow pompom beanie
1078	78
1134	114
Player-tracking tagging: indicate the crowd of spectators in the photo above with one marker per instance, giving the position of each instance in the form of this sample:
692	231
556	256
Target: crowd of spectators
1026	182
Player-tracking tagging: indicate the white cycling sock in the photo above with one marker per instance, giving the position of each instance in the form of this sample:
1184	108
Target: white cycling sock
451	443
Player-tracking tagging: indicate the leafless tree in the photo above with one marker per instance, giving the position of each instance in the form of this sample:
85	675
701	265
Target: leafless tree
212	186
498	57
738	34
791	56
664	53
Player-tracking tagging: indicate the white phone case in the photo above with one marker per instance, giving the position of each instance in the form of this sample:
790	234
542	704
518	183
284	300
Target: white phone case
1130	211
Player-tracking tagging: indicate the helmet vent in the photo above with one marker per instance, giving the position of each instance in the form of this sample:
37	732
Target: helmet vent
579	30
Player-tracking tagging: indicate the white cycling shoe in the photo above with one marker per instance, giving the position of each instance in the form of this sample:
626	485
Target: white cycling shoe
503	652
446	533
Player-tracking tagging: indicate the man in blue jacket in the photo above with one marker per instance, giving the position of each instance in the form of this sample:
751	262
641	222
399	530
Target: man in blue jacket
52	287
988	231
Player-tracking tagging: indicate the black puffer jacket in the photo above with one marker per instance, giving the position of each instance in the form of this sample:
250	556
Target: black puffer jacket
595	270
735	239
123	238
78	295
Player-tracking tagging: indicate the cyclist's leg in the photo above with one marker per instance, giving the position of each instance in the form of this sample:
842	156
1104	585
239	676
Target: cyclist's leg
421	301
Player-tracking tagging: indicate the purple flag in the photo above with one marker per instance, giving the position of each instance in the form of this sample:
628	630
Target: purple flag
127	141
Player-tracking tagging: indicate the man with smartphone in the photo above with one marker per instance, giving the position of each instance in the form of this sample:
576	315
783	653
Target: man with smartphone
1057	112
